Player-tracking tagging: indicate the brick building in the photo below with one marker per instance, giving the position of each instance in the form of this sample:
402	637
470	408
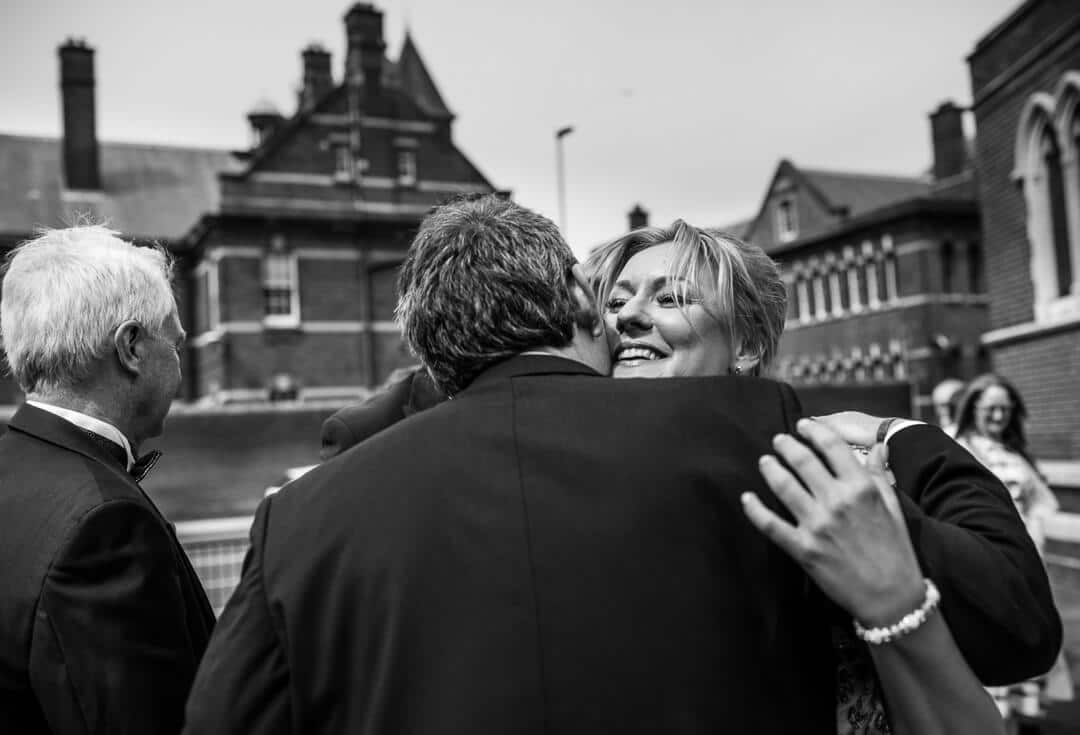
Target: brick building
1025	82
884	273
287	252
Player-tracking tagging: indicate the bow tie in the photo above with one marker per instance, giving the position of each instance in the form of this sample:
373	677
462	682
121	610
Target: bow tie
142	465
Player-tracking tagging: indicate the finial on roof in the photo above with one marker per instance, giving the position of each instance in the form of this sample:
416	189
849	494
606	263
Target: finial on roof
264	106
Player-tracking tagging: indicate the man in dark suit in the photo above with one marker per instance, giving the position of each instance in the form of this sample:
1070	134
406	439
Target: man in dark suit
102	619
549	551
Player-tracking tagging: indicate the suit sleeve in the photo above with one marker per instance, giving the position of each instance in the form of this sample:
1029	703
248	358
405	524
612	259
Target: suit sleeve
971	541
110	651
335	437
243	682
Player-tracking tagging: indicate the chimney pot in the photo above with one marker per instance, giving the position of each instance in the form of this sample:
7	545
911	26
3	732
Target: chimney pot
364	36
82	170
638	217
318	79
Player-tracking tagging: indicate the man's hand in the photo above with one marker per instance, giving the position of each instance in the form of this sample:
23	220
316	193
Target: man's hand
850	536
854	427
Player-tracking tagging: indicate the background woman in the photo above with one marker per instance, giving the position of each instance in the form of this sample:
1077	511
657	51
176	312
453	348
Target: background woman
684	302
990	424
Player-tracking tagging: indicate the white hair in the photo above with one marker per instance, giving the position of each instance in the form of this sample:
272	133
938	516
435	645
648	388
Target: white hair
64	294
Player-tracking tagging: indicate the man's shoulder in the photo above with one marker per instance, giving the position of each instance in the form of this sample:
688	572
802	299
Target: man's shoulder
39	477
738	395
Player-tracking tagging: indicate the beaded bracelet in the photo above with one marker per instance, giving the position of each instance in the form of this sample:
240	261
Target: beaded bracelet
906	625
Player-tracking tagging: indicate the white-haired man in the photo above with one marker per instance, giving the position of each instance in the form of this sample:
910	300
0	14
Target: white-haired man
102	619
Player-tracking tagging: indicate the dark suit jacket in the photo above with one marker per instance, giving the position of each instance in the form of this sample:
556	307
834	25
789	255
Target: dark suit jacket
102	619
398	400
970	540
966	533
549	552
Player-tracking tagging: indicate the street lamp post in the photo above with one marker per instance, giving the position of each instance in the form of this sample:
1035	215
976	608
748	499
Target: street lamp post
560	174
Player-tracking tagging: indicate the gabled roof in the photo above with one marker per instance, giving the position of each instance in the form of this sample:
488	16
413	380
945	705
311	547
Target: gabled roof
415	80
857	193
838	196
151	192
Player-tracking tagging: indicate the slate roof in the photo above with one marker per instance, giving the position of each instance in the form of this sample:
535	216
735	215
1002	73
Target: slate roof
149	191
860	193
412	75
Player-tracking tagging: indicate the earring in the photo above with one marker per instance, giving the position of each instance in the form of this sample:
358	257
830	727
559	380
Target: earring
738	369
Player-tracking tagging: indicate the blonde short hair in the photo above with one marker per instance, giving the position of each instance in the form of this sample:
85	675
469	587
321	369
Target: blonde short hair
744	290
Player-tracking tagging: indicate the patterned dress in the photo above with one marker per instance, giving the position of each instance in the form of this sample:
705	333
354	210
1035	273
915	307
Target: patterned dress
860	701
1034	501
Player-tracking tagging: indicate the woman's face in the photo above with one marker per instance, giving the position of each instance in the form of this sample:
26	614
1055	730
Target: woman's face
650	335
993	411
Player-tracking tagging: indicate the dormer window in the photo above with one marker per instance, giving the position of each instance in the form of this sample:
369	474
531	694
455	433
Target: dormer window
406	167
787	222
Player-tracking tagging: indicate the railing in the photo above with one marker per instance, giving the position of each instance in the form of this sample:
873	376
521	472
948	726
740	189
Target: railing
216	547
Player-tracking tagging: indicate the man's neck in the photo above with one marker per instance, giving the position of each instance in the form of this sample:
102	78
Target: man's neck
88	405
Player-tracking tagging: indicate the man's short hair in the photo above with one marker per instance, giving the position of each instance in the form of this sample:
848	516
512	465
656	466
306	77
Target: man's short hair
484	279
64	294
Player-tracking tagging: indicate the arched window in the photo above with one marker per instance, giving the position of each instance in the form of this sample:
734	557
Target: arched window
1046	169
1050	154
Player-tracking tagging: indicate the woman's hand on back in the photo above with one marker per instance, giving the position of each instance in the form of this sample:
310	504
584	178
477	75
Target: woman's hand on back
849	535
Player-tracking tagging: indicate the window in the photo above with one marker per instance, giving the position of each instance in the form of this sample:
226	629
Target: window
948	257
817	279
1059	226
343	163
835	294
975	267
1047	170
281	297
406	163
787	223
873	299
802	288
888	262
852	265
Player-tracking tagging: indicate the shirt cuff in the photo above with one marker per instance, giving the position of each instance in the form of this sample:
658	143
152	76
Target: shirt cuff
899	425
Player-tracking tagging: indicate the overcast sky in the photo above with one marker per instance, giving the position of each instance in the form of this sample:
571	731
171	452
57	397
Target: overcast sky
685	106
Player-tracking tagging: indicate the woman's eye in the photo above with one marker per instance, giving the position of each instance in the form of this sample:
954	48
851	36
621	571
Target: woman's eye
674	299
615	303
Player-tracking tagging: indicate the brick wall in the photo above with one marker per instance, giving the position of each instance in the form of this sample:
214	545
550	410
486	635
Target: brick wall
1045	372
1028	53
1004	75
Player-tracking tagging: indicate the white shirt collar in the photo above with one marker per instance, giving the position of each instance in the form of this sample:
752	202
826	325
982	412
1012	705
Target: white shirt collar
91	424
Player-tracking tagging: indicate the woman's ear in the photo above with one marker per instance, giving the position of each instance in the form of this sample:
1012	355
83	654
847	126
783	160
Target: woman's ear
746	359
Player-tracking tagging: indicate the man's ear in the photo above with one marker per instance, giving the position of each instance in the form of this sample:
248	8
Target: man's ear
128	345
587	314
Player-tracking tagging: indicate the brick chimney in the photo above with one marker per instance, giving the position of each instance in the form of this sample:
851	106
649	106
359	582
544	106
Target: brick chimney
318	79
638	217
950	146
364	36
82	170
